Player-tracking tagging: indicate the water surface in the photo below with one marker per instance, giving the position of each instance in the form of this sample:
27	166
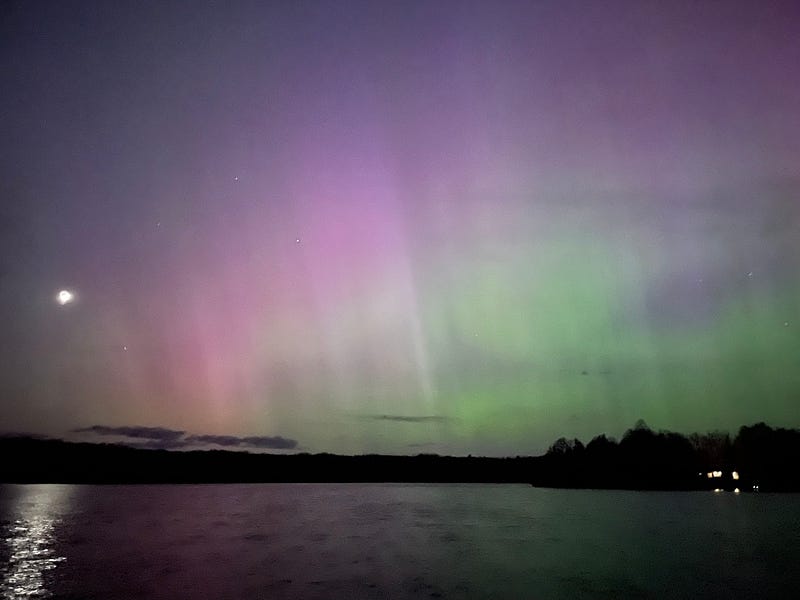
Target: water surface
392	541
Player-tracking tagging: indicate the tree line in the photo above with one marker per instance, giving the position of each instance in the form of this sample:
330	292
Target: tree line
761	456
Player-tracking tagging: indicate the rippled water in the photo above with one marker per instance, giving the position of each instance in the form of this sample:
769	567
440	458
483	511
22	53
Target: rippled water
392	541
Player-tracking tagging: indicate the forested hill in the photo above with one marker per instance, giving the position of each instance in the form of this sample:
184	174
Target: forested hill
762	458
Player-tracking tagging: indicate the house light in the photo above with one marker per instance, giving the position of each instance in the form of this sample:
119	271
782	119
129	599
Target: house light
735	474
736	491
717	473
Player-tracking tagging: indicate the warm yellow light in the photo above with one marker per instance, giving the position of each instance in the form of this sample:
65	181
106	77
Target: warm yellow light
710	474
736	491
735	475
717	473
717	490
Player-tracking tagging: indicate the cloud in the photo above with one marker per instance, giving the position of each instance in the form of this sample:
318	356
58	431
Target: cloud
409	418
218	440
160	437
274	442
604	372
277	442
159	444
146	433
22	434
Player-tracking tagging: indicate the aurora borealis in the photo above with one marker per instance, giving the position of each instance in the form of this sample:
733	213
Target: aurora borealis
454	227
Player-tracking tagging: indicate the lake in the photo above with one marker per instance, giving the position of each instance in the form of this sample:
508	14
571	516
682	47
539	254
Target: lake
393	541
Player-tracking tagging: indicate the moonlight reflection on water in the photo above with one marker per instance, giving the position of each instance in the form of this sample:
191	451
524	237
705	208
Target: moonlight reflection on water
29	542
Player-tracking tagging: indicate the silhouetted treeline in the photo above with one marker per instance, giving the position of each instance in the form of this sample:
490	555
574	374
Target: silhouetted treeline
31	460
642	459
759	456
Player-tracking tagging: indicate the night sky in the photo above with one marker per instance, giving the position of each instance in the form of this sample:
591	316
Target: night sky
398	227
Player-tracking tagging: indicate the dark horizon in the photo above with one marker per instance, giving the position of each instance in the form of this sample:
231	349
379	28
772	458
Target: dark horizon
754	460
148	437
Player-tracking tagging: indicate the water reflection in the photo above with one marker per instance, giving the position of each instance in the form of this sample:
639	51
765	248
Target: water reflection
29	537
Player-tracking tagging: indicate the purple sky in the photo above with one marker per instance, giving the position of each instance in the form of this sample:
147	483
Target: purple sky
296	219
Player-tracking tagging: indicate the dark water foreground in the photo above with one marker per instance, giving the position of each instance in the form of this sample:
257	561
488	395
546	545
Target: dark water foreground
393	541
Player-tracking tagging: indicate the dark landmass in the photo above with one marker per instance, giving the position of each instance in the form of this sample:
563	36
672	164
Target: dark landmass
759	458
764	459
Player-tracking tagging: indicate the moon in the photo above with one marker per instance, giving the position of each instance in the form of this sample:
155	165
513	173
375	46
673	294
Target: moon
65	297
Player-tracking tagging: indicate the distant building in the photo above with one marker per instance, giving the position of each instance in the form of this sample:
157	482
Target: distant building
722	481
